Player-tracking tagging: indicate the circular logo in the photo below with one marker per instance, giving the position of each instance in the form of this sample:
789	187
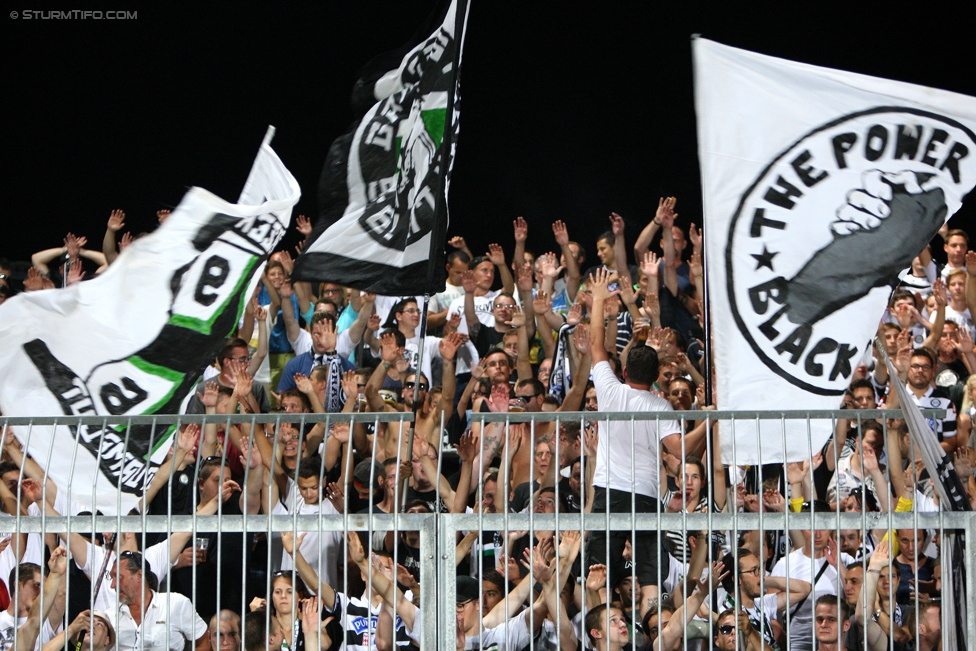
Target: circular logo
819	239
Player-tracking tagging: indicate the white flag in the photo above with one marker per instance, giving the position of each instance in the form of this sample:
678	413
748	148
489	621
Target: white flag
134	340
820	187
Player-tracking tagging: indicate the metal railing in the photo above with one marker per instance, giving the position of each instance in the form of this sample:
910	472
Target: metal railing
439	532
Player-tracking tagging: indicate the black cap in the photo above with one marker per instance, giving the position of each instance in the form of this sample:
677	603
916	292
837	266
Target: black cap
363	469
467	589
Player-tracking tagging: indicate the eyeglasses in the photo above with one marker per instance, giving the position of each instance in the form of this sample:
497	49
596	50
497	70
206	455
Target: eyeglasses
726	630
525	399
410	385
215	460
921	367
754	571
130	554
462	604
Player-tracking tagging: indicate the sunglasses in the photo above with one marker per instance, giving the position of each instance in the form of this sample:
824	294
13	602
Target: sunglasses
726	630
410	385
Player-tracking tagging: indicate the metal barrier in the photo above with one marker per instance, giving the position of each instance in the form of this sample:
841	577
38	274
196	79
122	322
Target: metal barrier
439	532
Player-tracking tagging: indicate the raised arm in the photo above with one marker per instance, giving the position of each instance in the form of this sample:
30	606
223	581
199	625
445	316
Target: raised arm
116	222
941	301
598	287
619	246
577	391
292	546
261	316
643	243
667	244
573	272
470	316
497	256
521	234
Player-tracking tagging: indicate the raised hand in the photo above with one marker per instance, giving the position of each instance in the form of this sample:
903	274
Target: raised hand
285	259
458	242
665	214
75	273
350	384
971	263
581	338
162	215
73	245
498	400
649	265
541	303
243	384
596	577
116	221
598	284
521	229
695	237
575	314
250	457
796	471
340	432
939	292
209	396
478	372
286	290
560	233
591	442
125	241
468	281
303	384
627	294
518	318
303	225
617	224
695	267
496	254
773	500
449	345
187	439
468	446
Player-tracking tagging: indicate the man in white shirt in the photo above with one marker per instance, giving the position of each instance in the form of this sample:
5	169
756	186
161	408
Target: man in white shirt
627	453
150	620
23	617
820	563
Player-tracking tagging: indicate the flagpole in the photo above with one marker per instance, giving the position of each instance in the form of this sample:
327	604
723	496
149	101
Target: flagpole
438	232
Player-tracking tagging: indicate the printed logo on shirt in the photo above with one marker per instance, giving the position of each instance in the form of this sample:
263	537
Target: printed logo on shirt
824	231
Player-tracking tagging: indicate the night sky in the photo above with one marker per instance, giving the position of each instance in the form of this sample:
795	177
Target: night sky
570	109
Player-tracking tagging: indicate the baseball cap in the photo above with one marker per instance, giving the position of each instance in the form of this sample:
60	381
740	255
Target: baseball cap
467	589
360	475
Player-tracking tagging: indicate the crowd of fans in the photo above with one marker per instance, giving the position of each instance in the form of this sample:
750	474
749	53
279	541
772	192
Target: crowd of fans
519	333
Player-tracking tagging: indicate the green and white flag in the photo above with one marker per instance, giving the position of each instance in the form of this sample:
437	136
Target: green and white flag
135	340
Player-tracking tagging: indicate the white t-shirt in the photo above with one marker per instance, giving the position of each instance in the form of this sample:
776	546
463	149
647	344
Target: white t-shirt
616	449
801	625
7	626
169	614
467	355
507	636
320	549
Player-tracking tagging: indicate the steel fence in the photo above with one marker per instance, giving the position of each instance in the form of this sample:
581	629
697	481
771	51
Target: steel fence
440	532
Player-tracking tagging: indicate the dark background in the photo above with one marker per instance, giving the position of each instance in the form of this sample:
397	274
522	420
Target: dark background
570	109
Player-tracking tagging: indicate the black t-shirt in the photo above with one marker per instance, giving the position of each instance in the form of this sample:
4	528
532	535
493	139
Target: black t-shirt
434	503
487	339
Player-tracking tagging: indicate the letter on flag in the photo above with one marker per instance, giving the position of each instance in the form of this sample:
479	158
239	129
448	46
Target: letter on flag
383	192
134	341
820	187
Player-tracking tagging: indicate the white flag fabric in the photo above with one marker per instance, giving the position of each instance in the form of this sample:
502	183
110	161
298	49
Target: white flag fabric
383	193
820	187
135	340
